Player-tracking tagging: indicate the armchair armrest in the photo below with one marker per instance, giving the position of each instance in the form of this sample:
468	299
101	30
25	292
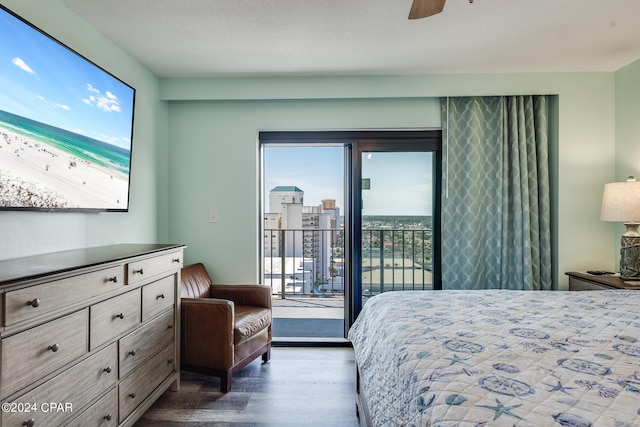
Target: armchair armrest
207	332
253	295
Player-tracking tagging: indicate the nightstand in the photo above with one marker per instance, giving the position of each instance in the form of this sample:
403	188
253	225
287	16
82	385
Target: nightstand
592	282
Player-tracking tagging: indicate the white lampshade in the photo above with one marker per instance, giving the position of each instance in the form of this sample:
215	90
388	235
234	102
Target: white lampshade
621	201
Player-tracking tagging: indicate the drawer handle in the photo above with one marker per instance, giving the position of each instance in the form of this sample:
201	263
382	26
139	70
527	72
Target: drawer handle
29	423
132	352
119	316
113	279
175	260
107	369
34	303
160	296
169	362
170	327
107	417
54	347
141	271
132	395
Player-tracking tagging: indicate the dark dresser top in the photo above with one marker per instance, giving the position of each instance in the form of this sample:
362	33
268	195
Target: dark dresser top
51	264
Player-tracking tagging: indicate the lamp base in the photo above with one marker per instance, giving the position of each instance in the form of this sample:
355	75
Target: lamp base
630	257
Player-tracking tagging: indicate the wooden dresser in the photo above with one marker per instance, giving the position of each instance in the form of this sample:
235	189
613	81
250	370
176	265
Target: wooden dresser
89	337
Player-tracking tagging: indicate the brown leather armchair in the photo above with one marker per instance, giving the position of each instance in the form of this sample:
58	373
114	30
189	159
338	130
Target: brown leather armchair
224	327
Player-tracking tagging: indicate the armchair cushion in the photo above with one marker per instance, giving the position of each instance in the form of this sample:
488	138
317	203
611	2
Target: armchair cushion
249	321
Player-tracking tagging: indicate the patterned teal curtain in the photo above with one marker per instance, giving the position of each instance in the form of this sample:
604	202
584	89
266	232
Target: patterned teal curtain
496	231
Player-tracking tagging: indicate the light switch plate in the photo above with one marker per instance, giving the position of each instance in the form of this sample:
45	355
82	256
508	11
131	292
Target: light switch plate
213	215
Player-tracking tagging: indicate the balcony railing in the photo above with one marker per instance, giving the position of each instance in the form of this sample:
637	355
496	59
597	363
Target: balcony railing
304	262
310	262
396	260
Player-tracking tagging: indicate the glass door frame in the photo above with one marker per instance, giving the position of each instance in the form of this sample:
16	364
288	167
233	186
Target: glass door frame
391	141
355	142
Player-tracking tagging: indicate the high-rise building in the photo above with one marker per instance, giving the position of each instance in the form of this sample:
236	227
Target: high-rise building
283	195
302	233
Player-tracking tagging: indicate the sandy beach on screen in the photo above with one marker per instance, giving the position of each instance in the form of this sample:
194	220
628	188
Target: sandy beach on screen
41	169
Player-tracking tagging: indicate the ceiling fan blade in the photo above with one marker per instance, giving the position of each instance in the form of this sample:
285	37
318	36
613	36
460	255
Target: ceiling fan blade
424	8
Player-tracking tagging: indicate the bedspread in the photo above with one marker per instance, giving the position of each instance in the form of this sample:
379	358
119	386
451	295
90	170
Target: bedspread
499	357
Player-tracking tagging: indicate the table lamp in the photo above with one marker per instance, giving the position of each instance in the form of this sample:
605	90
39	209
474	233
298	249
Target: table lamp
621	203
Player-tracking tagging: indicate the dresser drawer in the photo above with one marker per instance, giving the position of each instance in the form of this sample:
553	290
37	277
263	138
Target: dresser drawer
113	317
150	267
158	297
34	301
134	389
73	389
32	354
103	413
136	347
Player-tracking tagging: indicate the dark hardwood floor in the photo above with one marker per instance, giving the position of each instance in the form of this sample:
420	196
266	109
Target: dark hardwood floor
299	386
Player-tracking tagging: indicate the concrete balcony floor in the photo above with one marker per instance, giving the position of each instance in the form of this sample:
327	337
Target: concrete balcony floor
303	318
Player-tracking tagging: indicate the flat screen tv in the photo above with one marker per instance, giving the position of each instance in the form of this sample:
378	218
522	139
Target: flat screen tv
66	126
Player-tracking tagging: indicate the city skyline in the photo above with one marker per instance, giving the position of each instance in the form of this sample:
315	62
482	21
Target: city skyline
401	183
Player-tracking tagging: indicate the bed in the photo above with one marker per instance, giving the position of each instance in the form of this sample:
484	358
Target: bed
498	357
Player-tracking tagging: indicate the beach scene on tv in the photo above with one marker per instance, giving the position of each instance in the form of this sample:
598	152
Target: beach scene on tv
65	126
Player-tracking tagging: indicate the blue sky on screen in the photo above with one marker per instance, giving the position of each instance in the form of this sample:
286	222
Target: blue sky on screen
400	182
44	81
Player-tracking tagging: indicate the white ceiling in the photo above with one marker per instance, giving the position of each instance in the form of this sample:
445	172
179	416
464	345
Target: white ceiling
209	38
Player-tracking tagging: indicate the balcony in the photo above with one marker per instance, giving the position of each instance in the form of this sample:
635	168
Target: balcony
305	268
308	319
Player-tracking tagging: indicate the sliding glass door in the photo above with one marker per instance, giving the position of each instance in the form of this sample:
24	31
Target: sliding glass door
302	239
346	216
397	211
396	218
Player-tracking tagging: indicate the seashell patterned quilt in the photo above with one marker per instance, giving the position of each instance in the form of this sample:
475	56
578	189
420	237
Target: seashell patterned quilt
500	358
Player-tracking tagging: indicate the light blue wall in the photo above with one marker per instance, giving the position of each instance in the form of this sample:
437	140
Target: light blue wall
628	121
627	129
213	127
28	233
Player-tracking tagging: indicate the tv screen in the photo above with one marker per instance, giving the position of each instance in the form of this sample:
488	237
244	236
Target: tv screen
66	126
